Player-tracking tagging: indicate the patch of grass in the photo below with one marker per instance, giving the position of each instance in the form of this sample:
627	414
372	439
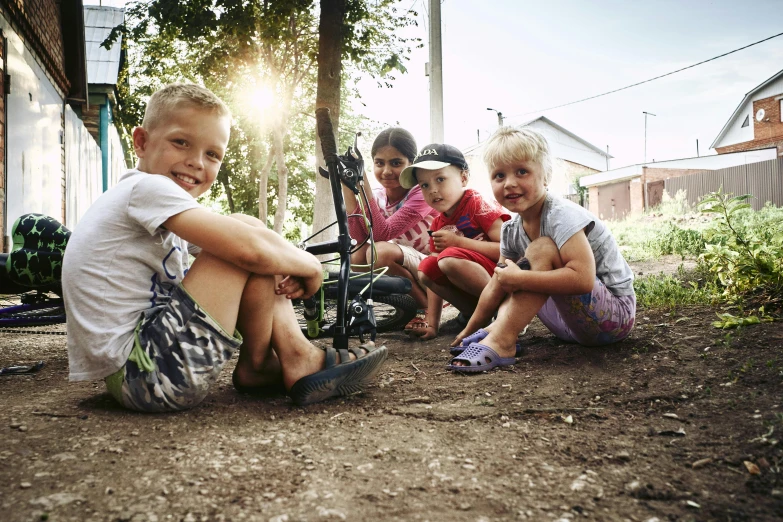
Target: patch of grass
665	291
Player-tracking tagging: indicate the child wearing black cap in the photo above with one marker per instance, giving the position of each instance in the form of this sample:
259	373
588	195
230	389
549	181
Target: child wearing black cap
465	237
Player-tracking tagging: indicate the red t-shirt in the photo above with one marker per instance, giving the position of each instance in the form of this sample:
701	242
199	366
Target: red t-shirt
473	217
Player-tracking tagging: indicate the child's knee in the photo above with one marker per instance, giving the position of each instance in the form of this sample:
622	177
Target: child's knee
543	254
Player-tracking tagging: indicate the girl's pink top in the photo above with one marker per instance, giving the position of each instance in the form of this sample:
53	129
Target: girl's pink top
403	222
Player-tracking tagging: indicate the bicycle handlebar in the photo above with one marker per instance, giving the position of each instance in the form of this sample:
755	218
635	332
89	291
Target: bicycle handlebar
323	122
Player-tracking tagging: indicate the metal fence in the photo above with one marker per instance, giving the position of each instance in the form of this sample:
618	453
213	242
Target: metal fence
764	180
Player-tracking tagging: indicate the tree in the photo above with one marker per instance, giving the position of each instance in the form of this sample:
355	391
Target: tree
242	49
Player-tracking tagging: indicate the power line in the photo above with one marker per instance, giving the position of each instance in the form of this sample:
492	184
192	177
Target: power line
646	81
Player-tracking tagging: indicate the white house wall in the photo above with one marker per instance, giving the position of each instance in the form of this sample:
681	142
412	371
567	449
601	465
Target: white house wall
567	148
33	135
83	169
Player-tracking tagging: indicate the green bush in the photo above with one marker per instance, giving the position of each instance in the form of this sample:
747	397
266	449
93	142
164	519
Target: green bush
744	249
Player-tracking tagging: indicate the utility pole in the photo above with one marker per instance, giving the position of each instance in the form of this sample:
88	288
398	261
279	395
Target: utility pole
500	116
644	166
436	74
645	133
607	157
697	148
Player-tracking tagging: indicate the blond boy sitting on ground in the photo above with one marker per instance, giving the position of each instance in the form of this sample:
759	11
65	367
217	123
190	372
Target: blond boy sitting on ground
158	330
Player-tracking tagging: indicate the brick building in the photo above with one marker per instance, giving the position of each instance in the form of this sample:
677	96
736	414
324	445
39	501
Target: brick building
757	122
43	69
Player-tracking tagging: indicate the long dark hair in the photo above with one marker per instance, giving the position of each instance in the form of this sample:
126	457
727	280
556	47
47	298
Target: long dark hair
398	138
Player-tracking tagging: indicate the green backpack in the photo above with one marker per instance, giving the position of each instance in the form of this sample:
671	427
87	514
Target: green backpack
36	257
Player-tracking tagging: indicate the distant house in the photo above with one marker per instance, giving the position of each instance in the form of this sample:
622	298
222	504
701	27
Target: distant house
757	122
573	157
43	71
614	194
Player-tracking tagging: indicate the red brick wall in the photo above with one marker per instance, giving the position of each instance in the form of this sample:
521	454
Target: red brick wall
766	133
38	23
654	174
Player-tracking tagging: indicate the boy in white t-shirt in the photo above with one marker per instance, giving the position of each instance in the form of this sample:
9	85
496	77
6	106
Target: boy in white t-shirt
158	330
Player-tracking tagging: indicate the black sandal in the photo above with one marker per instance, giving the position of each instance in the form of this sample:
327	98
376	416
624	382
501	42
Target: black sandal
340	376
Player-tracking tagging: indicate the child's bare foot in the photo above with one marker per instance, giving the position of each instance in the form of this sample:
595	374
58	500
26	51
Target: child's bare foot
423	331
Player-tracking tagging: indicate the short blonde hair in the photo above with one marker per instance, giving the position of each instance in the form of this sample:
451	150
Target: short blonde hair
174	95
510	144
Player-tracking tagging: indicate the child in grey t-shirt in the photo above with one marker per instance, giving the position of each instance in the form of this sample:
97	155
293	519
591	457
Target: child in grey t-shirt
577	283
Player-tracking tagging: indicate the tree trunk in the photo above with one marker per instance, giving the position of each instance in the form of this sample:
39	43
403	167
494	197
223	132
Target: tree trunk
263	182
282	177
330	50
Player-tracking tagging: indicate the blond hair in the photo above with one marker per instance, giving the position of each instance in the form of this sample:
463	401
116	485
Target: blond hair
175	95
509	145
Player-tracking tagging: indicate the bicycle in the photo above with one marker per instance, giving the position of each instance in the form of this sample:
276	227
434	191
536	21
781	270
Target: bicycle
30	291
328	313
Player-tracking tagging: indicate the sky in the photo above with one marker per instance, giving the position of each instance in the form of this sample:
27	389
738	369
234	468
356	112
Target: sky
520	56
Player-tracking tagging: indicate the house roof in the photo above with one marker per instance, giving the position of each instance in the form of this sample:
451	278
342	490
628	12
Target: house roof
556	126
742	104
103	64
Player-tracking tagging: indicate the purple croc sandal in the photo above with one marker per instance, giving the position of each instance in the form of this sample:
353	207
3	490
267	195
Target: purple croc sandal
480	359
477	337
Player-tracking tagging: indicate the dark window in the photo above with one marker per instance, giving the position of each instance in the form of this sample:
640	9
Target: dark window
746	122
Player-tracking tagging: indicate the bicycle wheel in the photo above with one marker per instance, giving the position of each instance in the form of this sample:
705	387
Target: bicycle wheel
31	310
392	312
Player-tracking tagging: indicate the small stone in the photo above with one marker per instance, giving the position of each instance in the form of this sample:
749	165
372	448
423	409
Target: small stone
569	419
135	433
469	467
22	428
777	492
752	468
624	455
109	491
633	486
763	463
671	415
25	485
701	463
14	424
691	503
464	506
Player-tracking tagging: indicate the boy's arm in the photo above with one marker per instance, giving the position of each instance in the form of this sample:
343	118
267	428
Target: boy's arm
490	247
252	248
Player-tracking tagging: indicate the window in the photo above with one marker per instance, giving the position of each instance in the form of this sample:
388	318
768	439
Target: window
746	122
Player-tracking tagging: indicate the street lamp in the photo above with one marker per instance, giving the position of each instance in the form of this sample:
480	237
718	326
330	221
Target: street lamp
500	116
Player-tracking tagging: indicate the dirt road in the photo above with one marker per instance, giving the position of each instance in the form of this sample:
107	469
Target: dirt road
679	422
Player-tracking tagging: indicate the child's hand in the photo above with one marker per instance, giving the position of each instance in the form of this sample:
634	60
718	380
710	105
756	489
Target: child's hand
444	239
507	277
294	287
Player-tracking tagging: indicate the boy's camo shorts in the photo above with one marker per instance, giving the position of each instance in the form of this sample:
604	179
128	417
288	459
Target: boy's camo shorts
179	353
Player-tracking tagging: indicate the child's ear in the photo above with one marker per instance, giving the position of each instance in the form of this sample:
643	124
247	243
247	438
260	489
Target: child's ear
465	177
140	137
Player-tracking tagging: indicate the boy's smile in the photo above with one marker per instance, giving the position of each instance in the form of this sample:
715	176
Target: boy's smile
443	188
518	186
188	147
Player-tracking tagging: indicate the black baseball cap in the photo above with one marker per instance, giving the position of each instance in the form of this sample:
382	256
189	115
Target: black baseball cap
433	157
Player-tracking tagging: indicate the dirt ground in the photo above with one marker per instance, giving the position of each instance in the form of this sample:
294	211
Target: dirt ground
679	422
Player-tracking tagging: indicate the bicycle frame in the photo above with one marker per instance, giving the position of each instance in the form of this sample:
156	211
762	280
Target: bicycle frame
337	174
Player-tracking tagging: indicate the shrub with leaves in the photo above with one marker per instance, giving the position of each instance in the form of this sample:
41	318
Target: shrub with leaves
744	249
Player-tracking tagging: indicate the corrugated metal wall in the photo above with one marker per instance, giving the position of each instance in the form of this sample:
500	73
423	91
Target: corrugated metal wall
764	180
83	169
